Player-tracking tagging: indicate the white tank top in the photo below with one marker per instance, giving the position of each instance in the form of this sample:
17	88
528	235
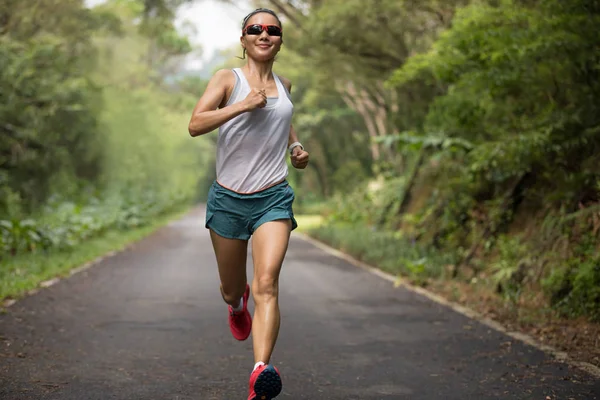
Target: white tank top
252	147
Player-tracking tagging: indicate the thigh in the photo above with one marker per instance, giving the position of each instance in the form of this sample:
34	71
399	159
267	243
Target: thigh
269	245
231	257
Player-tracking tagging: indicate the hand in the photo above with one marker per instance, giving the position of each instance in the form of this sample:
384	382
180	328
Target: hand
257	98
299	158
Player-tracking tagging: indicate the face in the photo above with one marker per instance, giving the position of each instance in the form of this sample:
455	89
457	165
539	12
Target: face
262	46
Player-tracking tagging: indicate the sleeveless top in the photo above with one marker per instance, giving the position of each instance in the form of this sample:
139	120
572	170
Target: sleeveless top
252	147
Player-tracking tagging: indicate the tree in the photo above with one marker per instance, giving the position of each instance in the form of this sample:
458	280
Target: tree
48	104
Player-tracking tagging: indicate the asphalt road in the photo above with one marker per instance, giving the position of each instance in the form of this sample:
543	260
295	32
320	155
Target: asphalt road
149	323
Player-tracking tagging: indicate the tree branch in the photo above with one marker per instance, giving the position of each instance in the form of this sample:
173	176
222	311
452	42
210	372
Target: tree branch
294	15
352	99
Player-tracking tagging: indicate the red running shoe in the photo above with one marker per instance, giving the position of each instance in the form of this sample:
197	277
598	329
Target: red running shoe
265	383
240	322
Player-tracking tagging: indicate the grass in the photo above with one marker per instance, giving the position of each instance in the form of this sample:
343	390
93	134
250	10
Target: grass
383	249
307	222
25	272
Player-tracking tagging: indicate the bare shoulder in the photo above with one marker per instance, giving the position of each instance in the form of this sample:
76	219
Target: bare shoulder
286	82
224	77
222	82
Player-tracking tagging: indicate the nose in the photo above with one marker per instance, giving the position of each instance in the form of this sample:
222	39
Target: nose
264	34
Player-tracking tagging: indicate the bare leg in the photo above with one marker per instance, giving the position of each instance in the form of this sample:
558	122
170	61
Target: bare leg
269	245
231	258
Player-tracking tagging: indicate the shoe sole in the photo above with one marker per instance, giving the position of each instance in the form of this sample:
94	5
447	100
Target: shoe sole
268	384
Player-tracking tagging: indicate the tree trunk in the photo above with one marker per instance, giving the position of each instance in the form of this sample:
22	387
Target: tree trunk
411	182
351	98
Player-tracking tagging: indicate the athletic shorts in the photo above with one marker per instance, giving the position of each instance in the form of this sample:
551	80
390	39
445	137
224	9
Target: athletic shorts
237	216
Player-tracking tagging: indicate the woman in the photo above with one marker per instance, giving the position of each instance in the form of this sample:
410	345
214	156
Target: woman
252	108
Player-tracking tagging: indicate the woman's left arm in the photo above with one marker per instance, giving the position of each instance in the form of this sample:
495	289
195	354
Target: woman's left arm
298	155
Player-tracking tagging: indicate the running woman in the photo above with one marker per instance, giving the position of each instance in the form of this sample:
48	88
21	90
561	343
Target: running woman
251	197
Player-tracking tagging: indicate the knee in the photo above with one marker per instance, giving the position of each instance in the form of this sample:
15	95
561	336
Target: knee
232	295
265	287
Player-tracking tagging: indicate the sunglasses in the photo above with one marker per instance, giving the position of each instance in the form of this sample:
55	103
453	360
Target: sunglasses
257	29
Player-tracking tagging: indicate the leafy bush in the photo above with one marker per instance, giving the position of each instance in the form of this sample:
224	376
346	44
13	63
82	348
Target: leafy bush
574	286
41	88
66	224
500	64
387	250
17	236
368	203
510	268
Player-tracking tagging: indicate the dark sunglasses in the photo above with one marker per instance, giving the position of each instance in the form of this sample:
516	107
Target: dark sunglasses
257	29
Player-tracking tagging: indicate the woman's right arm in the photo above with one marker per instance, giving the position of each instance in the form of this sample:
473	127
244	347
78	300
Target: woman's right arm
206	116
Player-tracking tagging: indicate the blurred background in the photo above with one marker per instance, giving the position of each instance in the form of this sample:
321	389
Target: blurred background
454	143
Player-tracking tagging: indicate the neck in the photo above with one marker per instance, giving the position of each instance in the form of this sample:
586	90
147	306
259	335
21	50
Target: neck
261	70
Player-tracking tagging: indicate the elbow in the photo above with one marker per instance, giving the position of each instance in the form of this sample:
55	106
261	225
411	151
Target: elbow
193	132
195	128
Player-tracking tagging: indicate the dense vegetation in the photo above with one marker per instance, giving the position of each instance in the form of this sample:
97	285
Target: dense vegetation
456	139
93	137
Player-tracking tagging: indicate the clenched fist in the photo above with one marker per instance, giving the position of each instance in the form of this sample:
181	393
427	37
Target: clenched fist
257	98
299	158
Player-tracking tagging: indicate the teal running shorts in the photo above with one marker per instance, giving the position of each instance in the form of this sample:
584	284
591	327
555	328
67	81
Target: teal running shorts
237	215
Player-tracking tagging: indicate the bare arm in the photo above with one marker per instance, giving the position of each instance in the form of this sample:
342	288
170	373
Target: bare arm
299	156
293	137
207	116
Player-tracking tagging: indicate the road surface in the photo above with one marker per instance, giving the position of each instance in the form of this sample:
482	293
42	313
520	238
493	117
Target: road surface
149	323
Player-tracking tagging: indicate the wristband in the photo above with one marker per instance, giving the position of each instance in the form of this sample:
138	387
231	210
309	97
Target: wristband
291	148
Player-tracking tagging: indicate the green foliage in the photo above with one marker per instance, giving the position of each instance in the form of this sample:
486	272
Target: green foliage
65	224
522	86
376	38
574	288
510	268
496	128
17	236
385	249
348	176
366	203
91	143
351	208
47	109
328	128
148	148
415	142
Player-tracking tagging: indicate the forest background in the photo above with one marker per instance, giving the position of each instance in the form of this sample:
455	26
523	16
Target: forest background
455	143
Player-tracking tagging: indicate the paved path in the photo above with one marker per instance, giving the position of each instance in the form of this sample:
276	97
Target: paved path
148	323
